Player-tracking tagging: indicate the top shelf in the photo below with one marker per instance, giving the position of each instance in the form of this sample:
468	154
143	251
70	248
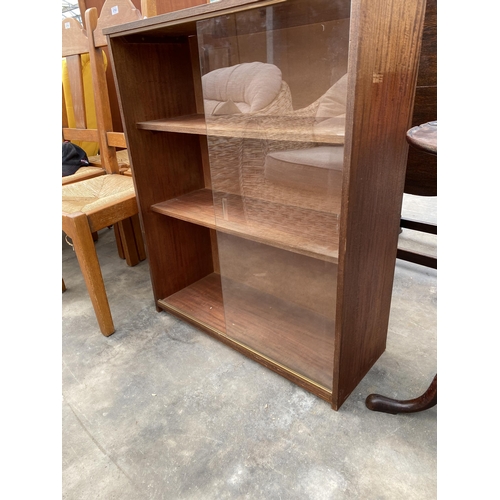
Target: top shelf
277	128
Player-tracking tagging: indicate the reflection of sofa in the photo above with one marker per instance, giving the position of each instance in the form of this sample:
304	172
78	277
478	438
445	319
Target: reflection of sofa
317	169
276	169
327	114
233	97
313	167
246	88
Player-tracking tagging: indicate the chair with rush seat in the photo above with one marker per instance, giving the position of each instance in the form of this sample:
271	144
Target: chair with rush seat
93	204
113	12
87	207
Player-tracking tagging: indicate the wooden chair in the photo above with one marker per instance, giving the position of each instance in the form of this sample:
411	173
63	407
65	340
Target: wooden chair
103	201
75	47
113	12
89	206
76	51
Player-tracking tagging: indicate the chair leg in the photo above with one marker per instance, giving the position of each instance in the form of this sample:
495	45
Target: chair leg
63	286
129	241
139	240
91	270
119	242
127	238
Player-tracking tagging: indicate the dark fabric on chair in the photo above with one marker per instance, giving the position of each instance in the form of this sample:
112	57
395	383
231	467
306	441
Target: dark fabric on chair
73	157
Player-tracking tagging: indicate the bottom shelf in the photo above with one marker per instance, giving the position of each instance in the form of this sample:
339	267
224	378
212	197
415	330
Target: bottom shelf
292	340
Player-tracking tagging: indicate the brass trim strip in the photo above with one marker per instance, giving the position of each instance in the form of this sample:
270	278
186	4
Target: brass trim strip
166	306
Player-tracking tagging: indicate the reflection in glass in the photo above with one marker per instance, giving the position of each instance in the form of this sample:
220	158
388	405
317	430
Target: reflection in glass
274	85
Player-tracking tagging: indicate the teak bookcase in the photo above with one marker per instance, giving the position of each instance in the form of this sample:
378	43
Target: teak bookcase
294	272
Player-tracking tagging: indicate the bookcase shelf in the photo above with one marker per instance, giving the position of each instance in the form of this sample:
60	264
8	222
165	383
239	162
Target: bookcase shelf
300	338
288	261
284	128
298	230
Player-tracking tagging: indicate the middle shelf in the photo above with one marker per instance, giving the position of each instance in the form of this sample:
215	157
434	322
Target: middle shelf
284	128
301	230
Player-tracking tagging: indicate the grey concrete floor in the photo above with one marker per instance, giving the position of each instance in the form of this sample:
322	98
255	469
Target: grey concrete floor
160	410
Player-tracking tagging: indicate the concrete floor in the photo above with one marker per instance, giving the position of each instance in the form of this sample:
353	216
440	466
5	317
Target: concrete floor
160	410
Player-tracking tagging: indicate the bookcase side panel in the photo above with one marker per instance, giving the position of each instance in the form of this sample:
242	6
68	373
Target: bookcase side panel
383	64
155	80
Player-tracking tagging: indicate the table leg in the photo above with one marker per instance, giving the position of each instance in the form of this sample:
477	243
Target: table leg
376	402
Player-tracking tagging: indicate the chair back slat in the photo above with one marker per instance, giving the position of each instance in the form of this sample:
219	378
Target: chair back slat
75	75
113	12
101	95
148	8
76	98
65	121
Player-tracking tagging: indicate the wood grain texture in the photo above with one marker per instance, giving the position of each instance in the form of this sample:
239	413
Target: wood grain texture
74	39
88	4
85	134
299	230
113	13
77	228
383	64
165	6
75	96
176	167
289	335
421	168
278	128
115	110
101	96
158	83
75	76
161	23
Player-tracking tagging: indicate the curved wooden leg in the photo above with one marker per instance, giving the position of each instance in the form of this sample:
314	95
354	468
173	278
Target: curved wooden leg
376	402
79	231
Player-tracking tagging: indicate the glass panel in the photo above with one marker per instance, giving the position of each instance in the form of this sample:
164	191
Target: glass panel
274	91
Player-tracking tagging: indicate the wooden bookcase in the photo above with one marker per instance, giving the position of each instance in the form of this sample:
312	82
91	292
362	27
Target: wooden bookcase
296	276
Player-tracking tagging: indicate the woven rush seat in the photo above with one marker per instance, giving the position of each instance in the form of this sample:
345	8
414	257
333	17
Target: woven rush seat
122	158
83	173
95	194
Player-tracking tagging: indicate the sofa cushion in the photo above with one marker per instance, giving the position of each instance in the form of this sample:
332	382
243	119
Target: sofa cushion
334	101
317	169
324	128
250	86
226	108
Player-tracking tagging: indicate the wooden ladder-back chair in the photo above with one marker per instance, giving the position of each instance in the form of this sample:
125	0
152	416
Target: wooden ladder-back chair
87	117
78	104
93	204
113	12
